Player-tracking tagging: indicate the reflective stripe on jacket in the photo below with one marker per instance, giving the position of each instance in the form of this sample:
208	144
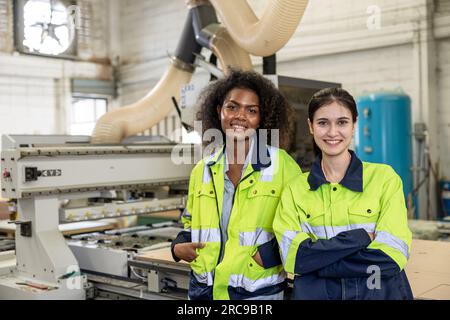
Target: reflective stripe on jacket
322	231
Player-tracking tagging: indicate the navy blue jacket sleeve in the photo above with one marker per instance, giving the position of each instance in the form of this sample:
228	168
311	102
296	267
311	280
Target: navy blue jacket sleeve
358	265
182	237
270	254
313	256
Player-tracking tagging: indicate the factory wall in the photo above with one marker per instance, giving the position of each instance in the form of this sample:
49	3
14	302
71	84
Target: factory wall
366	45
149	33
443	99
35	92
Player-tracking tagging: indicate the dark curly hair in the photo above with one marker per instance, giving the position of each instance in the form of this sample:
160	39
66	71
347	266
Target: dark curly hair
275	110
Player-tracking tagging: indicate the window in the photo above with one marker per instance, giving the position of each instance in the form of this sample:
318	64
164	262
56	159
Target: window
46	27
84	114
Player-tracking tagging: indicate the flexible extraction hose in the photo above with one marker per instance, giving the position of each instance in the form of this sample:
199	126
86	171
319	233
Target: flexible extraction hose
127	121
262	37
210	34
201	29
229	53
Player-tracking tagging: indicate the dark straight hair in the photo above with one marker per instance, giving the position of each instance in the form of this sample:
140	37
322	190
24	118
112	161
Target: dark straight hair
327	96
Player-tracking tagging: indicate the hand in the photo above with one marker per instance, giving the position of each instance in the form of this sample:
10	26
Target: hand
258	260
371	235
187	251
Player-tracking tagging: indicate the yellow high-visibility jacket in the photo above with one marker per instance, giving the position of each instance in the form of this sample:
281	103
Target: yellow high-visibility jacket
323	227
237	275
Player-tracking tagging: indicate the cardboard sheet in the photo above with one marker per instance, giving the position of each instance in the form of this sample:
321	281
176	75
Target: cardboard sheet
428	269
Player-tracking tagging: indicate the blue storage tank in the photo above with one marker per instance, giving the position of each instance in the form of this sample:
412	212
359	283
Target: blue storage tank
445	197
384	132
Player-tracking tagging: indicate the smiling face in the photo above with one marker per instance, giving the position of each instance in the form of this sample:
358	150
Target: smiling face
332	128
240	113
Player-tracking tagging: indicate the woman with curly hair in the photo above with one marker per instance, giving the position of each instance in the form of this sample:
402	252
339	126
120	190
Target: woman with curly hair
233	194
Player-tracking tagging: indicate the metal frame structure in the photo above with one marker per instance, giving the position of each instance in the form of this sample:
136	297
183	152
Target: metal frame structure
40	171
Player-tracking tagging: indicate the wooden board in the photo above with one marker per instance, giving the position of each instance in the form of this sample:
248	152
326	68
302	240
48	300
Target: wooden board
67	229
173	215
163	255
4	210
428	269
86	227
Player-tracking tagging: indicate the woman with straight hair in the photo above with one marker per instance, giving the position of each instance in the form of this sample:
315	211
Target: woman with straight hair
342	228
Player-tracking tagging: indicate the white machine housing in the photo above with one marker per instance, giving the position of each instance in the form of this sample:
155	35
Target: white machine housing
40	171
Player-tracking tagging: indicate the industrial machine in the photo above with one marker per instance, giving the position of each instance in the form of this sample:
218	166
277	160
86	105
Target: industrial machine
42	173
